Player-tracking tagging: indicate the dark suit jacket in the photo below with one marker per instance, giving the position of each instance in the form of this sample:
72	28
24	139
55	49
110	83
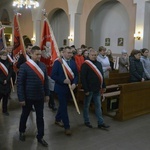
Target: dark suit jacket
58	76
90	81
29	86
5	88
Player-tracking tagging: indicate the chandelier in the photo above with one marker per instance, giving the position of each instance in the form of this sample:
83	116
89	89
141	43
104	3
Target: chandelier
26	3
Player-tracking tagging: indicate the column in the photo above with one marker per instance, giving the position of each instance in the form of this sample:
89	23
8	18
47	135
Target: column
74	22
139	25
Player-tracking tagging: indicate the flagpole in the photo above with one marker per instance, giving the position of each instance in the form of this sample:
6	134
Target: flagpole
58	53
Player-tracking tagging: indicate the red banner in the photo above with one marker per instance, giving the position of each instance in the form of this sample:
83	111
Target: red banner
18	41
48	46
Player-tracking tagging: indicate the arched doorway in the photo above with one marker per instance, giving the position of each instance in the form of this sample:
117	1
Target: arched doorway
107	24
5	17
60	25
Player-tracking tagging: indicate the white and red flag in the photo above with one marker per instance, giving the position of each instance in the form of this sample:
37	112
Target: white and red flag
48	46
19	47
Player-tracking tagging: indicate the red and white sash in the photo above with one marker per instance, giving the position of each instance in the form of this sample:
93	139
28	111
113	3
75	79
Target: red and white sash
4	69
36	69
68	69
95	69
27	57
10	59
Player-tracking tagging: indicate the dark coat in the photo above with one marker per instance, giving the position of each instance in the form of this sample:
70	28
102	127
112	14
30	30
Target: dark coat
29	86
90	81
58	76
21	60
5	88
136	70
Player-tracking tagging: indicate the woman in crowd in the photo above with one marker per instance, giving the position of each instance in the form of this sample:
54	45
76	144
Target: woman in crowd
103	59
146	62
110	57
85	54
124	62
136	69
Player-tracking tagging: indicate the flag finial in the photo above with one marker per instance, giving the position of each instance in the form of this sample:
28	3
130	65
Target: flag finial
44	12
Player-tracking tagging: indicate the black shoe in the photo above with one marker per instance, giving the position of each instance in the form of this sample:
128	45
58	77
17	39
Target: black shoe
43	142
5	113
88	125
103	126
22	136
68	132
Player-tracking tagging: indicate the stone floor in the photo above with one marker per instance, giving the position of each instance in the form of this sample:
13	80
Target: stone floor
133	134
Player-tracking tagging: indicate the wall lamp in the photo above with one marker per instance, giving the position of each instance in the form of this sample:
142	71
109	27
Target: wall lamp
70	37
137	36
33	39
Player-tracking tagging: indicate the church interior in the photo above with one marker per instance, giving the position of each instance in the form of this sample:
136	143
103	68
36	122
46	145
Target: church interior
117	25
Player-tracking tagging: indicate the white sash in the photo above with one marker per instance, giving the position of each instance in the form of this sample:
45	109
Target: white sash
68	68
36	69
4	69
10	59
95	69
27	57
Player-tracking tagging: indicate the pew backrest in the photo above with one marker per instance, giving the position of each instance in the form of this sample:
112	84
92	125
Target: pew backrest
134	100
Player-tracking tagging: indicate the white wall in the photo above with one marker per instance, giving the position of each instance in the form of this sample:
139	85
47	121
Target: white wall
110	21
146	40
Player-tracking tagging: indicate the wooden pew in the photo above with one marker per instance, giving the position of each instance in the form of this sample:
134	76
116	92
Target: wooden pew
111	84
134	100
117	78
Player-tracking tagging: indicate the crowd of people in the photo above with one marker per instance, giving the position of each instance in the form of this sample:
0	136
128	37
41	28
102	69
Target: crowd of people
89	67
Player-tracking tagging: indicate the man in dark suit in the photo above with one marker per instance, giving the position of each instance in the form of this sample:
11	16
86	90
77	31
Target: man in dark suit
5	84
62	88
33	89
22	59
92	80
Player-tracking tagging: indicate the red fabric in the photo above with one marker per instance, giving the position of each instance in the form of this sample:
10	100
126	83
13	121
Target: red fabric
49	63
79	59
18	42
47	36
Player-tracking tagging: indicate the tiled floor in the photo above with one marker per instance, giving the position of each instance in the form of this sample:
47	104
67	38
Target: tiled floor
133	134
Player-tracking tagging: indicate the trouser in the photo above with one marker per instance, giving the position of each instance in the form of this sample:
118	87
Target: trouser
39	106
51	102
62	113
95	96
4	99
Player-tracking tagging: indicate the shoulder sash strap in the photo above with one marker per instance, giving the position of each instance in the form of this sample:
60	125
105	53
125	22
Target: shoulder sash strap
27	57
68	69
10	59
96	71
4	69
36	69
